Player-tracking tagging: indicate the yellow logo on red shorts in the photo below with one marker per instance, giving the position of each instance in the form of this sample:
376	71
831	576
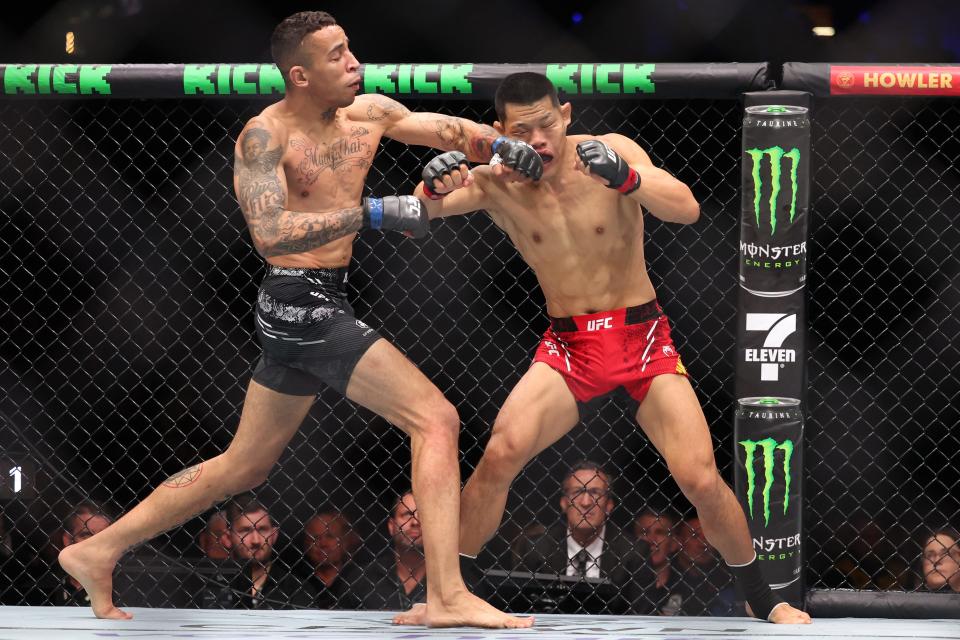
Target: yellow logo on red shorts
682	370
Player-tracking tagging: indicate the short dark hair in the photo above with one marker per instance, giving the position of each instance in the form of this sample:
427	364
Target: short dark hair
242	504
350	541
84	510
665	514
588	465
525	87
289	34
399	500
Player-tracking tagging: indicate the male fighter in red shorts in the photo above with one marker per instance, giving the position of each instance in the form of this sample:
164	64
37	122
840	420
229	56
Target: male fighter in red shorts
580	228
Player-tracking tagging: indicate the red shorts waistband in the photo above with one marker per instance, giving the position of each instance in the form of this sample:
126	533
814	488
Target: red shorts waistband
609	319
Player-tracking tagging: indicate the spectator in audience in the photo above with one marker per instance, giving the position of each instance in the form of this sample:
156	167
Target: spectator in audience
940	563
588	545
214	540
705	586
399	575
658	529
257	580
329	543
56	588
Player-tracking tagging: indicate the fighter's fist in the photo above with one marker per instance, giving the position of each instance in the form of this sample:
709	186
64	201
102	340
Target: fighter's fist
447	172
602	161
517	156
399	213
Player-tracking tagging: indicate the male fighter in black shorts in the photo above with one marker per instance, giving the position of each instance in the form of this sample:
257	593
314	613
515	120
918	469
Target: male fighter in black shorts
299	173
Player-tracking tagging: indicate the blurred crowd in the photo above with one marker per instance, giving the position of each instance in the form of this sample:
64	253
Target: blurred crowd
583	562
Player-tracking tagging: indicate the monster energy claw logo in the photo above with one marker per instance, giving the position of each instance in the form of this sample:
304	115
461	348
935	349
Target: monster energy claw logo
768	447
776	155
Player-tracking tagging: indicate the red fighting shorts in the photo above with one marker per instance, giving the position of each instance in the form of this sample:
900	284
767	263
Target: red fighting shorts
611	352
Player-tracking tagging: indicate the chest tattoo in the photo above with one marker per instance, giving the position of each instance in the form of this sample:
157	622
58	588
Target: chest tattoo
343	154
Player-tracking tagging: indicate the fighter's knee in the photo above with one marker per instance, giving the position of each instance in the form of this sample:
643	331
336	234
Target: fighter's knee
505	454
244	475
699	483
435	419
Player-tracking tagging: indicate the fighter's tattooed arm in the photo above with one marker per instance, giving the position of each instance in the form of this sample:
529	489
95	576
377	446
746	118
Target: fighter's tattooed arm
260	185
447	133
184	478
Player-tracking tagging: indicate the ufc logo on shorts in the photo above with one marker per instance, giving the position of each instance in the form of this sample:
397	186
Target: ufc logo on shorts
551	348
779	327
602	323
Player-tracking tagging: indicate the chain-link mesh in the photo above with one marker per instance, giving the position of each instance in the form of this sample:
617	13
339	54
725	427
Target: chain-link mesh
882	437
126	338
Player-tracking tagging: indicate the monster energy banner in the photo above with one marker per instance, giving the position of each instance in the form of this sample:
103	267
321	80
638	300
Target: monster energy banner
453	80
772	256
771	330
769	444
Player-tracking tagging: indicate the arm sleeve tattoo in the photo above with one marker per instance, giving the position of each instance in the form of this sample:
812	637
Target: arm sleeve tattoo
262	195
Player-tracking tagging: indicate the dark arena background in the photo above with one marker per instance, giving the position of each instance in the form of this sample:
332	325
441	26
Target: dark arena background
127	283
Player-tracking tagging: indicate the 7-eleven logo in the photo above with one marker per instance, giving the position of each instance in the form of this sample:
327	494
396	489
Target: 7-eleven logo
772	356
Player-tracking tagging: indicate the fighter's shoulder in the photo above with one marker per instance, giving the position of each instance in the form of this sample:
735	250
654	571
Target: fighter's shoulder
267	122
376	107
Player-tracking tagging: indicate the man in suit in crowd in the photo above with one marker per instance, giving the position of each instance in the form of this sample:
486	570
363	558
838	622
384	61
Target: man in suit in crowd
588	545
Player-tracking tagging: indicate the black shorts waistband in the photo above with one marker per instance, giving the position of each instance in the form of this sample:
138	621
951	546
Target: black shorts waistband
609	319
336	276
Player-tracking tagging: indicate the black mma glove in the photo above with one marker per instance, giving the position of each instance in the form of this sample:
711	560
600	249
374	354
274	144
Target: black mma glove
517	155
606	163
398	213
443	165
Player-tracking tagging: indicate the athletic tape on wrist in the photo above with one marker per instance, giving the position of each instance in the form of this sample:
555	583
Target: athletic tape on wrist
375	207
631	184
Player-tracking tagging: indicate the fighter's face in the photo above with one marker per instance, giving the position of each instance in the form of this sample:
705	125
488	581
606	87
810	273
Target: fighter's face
404	525
586	500
253	535
941	561
329	71
541	125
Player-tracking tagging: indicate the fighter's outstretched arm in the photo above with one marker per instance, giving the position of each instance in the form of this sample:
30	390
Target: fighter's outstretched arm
436	130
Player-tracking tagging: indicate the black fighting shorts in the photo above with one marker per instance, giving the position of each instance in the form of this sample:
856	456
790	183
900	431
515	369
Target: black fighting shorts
307	330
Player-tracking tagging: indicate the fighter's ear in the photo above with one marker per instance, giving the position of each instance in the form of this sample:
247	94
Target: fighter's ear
566	109
498	127
297	76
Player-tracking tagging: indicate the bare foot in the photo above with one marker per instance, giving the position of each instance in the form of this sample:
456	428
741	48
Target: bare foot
415	615
783	613
462	610
94	571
